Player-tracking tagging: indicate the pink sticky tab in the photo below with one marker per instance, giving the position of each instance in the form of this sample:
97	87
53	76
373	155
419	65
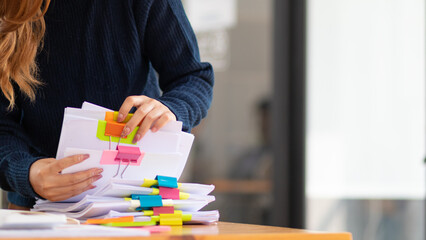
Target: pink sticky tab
169	193
110	157
161	210
157	229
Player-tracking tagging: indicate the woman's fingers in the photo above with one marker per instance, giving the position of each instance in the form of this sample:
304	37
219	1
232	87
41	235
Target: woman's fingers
69	194
147	122
128	104
149	113
163	120
64	192
63	163
138	117
48	182
74	178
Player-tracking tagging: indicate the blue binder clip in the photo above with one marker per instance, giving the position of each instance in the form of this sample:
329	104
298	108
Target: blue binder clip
150	201
164	181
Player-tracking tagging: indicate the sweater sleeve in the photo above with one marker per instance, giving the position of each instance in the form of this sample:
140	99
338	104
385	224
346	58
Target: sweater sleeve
170	44
15	156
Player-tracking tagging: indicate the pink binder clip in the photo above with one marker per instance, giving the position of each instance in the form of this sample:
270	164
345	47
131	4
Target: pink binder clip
130	155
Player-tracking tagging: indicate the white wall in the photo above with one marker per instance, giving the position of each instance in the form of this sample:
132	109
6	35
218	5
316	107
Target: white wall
366	99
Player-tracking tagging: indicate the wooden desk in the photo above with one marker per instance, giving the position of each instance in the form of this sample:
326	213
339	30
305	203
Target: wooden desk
224	230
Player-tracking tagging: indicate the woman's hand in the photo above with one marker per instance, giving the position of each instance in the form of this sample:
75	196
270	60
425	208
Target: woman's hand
150	113
48	182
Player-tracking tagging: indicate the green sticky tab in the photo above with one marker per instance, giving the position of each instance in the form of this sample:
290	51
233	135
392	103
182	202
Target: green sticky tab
100	134
131	224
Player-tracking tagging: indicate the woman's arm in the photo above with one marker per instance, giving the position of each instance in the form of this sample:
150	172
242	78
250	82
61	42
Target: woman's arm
27	172
169	43
15	157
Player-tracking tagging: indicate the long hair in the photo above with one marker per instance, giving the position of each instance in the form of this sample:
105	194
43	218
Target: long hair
21	32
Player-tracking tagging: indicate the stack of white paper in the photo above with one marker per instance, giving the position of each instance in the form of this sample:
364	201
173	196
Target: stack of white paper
163	153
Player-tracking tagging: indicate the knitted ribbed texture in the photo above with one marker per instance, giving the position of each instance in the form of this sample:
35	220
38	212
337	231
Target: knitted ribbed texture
102	51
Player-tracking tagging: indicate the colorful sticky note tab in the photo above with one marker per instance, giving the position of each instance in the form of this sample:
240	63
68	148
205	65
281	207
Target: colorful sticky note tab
149	183
112	117
100	134
171	219
183	196
164	181
157	229
169	193
155	191
110	157
186	217
114	129
110	220
162	210
131	224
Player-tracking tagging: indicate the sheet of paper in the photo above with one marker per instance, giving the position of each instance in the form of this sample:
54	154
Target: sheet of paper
94	107
186	140
174	126
195	188
14	219
67	231
72	206
152	164
100	208
163	153
119	190
81	133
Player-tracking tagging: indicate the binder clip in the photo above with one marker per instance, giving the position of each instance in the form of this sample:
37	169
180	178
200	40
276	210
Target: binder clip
147	202
169	193
110	130
163	210
170	182
126	154
129	155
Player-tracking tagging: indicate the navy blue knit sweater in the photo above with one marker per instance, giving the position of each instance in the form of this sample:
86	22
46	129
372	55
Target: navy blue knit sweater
102	51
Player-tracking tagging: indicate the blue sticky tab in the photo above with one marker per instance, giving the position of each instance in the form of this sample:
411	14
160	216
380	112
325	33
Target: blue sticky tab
150	201
164	181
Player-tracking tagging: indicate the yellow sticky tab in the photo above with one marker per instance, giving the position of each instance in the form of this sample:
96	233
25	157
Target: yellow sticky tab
186	217
131	224
128	199
148	212
183	196
171	219
178	212
155	218
179	185
110	220
155	191
130	115
149	183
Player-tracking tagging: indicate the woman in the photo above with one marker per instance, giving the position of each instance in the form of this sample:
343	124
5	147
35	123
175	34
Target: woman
103	51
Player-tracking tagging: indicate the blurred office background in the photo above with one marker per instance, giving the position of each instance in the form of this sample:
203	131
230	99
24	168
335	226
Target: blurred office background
362	68
318	118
